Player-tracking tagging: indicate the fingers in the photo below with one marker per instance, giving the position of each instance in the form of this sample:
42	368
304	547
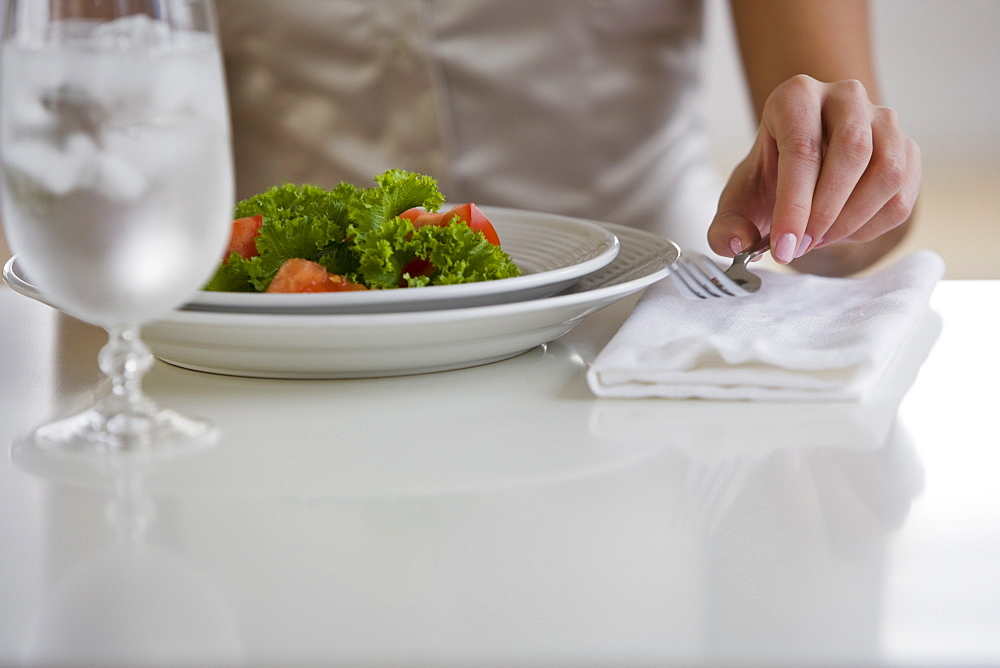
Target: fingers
793	118
827	165
885	195
840	190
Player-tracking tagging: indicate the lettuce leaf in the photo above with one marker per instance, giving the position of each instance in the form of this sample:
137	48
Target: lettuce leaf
233	275
457	253
298	221
396	192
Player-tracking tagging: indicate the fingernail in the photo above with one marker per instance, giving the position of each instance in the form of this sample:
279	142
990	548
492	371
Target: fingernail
784	248
736	245
804	245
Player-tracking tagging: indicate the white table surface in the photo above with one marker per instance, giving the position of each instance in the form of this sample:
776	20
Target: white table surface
504	515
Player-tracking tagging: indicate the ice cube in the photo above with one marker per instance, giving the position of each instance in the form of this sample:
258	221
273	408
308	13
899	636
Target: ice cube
55	170
79	164
133	31
30	116
116	178
74	110
186	83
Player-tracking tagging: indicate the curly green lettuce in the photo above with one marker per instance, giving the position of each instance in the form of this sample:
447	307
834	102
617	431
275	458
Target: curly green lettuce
397	191
357	233
457	253
298	221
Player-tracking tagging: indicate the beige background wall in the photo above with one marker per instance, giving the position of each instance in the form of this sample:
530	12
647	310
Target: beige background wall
940	67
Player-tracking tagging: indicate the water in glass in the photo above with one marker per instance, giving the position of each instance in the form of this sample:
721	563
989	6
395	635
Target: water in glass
117	184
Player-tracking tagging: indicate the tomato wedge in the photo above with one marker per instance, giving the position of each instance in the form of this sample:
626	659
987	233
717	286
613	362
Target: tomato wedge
469	213
243	238
299	275
413	268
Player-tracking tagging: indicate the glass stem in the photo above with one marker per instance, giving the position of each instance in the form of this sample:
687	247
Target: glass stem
125	359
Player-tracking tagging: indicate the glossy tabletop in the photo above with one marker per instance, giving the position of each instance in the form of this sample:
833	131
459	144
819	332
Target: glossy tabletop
504	515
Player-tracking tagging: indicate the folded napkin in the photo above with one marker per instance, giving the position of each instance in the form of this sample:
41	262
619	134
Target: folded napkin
801	337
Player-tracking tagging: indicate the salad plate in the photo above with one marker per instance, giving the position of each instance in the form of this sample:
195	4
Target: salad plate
552	252
368	345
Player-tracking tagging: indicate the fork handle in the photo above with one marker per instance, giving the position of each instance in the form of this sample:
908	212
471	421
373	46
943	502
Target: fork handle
754	251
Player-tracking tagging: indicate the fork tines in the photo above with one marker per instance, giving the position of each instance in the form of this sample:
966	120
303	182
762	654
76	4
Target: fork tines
697	277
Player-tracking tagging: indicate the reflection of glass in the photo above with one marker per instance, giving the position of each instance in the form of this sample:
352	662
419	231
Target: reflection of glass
130	602
114	137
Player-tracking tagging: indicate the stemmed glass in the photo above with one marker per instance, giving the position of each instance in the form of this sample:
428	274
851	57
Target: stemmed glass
117	185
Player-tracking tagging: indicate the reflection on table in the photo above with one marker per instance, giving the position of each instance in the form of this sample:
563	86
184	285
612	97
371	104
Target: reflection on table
504	515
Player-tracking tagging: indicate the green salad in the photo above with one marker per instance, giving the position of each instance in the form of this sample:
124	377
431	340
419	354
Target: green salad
383	237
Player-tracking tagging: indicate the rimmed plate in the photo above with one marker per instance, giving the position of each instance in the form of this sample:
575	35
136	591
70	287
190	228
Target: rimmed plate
271	345
552	251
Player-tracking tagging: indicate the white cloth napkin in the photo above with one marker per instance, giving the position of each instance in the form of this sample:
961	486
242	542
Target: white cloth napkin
800	337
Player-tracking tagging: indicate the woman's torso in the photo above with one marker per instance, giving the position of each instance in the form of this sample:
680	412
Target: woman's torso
587	108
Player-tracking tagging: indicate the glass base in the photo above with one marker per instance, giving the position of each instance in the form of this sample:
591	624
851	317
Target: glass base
126	420
142	429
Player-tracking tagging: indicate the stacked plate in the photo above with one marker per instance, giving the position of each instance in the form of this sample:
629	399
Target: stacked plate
570	269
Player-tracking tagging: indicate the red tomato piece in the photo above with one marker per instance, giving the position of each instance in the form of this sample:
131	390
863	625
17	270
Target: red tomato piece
419	217
341	284
243	238
474	217
469	213
298	275
417	267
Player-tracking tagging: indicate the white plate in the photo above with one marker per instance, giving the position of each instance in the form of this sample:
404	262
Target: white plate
552	252
392	344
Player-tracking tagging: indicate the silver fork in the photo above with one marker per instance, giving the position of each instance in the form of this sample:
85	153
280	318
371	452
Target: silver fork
698	277
709	489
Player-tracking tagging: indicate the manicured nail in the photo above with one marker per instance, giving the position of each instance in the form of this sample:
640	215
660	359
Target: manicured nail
736	245
784	248
804	245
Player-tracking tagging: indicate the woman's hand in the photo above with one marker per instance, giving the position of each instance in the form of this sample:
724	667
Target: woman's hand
827	166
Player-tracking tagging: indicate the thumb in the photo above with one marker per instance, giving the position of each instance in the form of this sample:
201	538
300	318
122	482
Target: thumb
746	203
740	204
731	232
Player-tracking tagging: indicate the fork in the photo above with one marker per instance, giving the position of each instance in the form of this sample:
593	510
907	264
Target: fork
698	277
708	492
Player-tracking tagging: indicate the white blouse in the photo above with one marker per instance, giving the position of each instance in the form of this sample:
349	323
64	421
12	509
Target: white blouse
582	107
